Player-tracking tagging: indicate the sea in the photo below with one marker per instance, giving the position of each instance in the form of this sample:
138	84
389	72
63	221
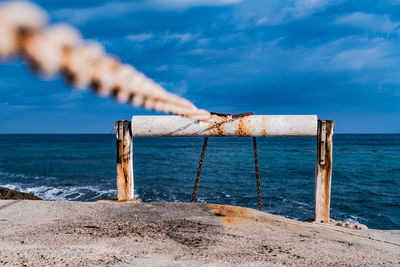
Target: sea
365	181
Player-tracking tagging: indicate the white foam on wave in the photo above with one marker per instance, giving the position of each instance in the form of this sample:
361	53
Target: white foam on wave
353	219
65	192
25	176
201	200
302	203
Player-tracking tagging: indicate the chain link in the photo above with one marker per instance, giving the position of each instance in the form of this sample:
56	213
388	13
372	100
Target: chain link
196	185
60	48
260	205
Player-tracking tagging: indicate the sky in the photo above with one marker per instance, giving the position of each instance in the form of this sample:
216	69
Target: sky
334	58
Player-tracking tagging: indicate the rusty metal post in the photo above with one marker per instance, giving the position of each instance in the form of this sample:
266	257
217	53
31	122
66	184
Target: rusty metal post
125	185
323	170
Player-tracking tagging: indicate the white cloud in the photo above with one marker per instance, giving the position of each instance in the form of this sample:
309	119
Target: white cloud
18	107
203	42
115	9
305	8
140	37
162	38
372	22
269	12
83	15
263	20
162	68
184	4
178	87
365	60
203	52
67	96
274	12
182	37
356	58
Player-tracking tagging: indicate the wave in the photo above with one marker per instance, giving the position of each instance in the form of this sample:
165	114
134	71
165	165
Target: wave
24	176
353	219
84	193
63	192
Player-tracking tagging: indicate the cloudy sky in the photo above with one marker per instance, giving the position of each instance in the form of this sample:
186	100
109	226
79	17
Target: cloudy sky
334	58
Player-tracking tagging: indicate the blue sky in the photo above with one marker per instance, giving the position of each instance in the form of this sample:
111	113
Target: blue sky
337	59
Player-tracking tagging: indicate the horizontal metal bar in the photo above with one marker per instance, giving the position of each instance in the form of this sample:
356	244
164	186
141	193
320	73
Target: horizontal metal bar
255	125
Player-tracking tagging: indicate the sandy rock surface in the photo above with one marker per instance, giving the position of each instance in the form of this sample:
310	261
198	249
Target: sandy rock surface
44	233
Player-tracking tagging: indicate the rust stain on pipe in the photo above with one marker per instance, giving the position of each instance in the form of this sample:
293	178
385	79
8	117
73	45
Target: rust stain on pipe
220	130
263	127
216	129
243	128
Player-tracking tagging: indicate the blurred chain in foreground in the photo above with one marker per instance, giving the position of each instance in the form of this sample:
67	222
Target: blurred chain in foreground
59	48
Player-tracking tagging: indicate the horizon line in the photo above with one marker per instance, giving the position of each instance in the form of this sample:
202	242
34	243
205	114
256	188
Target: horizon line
166	136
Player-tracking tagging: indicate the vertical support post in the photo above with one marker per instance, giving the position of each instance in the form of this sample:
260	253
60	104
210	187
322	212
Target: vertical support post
125	185
323	170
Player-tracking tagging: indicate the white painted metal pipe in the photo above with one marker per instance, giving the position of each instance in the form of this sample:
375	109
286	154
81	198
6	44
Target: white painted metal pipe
255	125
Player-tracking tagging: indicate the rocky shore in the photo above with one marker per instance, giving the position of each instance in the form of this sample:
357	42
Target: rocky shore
53	233
6	193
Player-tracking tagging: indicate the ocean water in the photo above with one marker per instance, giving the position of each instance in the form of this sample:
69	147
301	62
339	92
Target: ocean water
365	185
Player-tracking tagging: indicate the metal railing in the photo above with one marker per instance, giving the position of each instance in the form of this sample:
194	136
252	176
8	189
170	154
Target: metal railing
247	126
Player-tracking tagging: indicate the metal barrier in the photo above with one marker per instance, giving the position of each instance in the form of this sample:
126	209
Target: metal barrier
248	126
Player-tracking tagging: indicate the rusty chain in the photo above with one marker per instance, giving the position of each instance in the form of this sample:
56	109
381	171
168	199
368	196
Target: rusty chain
196	185
260	205
61	49
233	116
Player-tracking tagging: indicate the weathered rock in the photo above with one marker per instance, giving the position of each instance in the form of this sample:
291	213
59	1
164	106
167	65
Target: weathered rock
6	193
62	233
357	226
